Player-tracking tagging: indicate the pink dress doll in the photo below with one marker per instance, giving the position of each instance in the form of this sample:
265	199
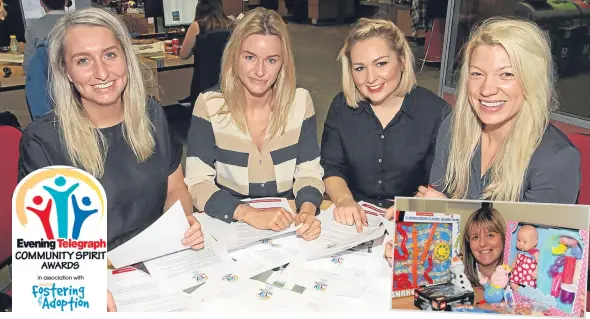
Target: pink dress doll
524	268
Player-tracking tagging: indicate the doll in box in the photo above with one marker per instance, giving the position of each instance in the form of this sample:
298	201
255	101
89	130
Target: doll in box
525	266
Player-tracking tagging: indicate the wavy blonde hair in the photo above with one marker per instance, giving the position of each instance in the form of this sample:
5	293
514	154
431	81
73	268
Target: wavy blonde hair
528	48
265	22
85	145
365	29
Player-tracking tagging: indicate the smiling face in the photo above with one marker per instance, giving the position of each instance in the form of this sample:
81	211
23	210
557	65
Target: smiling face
96	65
376	69
486	245
494	92
259	63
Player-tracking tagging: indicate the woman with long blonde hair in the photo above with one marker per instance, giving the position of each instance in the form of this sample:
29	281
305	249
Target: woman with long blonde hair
255	134
380	133
499	144
105	124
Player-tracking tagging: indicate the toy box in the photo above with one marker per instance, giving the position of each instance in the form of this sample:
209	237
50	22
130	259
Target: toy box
549	268
442	297
424	244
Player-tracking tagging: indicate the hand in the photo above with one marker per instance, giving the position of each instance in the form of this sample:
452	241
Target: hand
349	212
428	193
389	252
193	237
390	213
311	227
276	219
111	306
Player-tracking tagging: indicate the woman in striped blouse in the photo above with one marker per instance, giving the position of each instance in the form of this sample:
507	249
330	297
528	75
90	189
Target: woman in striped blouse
255	135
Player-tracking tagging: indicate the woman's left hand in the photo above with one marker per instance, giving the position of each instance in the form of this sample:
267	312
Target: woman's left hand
427	192
194	236
310	228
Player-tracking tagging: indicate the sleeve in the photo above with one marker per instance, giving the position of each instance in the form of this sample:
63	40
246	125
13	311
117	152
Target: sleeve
332	154
441	155
173	149
308	186
200	168
32	156
30	48
428	163
555	178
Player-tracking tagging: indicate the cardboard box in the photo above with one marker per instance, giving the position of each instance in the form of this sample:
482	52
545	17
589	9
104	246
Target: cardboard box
442	297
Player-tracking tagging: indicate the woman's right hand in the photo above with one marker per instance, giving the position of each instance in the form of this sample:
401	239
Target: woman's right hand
349	212
276	218
389	252
111	306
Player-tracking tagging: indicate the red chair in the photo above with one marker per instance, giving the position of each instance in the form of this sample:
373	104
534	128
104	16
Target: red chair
10	137
582	143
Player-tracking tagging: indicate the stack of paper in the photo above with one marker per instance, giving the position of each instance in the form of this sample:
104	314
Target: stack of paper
171	277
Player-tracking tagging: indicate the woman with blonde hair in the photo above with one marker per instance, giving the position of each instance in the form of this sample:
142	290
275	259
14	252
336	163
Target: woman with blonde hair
255	134
105	124
380	133
499	144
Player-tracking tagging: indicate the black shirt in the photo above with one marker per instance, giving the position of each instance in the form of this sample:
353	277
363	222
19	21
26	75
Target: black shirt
136	192
379	164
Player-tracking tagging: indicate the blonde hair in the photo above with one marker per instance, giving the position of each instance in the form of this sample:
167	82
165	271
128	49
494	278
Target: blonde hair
85	145
365	29
528	48
264	22
483	218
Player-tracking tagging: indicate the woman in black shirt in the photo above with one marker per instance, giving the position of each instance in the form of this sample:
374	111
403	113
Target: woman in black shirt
104	123
380	133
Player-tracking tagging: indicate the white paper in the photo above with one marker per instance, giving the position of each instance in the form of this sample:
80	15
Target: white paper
135	291
161	238
336	237
188	268
256	296
345	274
267	255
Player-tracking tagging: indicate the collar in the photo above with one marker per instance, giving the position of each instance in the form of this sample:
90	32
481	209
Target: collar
408	107
56	12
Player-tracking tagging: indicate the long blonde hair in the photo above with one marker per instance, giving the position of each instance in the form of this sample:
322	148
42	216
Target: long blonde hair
85	145
365	29
483	218
528	48
265	22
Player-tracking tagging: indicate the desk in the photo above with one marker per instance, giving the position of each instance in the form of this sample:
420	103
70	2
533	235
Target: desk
407	303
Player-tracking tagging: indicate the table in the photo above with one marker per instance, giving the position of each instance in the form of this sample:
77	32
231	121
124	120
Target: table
407	303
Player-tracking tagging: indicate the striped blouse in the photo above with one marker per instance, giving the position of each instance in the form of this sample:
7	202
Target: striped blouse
224	166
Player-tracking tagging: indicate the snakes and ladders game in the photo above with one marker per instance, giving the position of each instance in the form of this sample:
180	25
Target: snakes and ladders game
424	245
547	268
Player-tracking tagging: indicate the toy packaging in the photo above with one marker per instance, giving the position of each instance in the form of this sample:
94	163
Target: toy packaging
548	268
442	297
424	245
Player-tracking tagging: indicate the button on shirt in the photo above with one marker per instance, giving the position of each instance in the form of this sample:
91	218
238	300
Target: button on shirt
376	163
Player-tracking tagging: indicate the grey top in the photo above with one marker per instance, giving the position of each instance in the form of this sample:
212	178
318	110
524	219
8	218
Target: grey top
37	32
553	174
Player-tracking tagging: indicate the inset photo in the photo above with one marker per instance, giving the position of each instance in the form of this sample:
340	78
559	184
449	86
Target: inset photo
490	257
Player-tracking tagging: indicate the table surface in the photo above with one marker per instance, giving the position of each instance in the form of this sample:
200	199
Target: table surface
407	303
17	80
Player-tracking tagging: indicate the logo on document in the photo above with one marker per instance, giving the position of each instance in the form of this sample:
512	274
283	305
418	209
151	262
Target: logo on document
337	260
200	276
320	286
264	294
269	242
69	194
230	278
59	223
